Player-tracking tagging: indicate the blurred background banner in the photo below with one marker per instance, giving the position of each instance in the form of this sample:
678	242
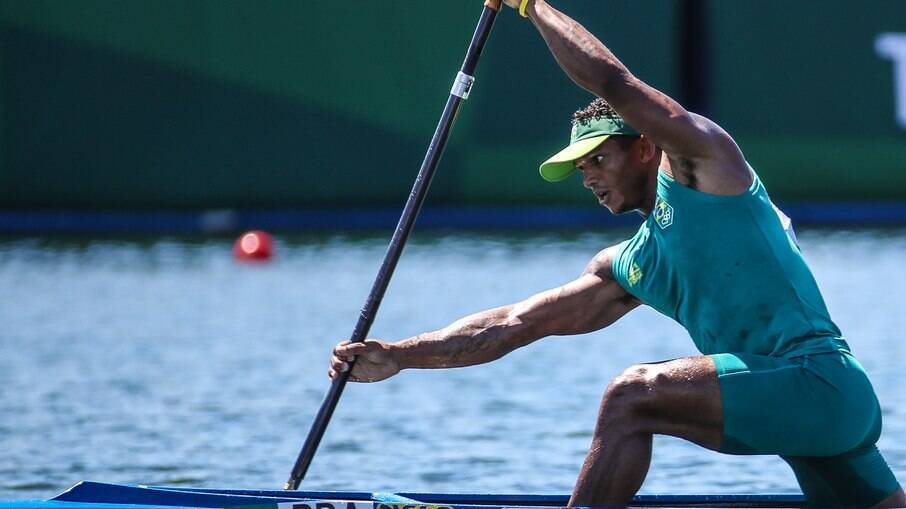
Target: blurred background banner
191	105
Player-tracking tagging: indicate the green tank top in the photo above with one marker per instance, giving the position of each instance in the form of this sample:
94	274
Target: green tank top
725	268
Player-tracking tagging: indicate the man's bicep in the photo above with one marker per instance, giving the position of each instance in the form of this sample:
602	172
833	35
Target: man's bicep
591	302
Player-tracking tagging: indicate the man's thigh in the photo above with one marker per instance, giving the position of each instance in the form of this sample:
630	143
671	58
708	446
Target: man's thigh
816	405
679	397
818	412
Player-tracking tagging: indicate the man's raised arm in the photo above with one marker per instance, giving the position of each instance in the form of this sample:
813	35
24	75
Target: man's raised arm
591	302
693	141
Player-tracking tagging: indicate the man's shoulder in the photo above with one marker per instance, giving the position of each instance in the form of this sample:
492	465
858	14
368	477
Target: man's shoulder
608	262
601	264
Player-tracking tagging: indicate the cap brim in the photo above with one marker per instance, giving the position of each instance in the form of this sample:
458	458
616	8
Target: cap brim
561	165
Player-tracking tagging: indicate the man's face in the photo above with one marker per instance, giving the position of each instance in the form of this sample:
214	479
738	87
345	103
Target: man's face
615	175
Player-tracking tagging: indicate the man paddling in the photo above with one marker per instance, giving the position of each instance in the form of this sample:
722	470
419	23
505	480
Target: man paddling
775	375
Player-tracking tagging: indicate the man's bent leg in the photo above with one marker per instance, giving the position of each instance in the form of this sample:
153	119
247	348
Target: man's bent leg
679	398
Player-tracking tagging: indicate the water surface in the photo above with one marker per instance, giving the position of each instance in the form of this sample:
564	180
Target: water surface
162	361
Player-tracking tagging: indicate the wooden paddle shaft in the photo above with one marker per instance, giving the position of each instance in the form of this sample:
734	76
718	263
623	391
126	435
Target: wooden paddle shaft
461	88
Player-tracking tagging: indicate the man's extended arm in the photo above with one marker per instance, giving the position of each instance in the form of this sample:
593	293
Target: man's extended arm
591	302
693	142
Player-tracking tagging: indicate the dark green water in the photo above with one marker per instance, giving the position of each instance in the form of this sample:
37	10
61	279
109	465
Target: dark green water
162	361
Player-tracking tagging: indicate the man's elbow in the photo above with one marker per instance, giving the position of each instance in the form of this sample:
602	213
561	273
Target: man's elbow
528	322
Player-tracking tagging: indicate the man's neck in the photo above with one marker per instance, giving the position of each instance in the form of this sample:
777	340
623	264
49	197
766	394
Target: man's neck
651	187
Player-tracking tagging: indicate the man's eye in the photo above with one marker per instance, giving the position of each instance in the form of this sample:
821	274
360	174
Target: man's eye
598	159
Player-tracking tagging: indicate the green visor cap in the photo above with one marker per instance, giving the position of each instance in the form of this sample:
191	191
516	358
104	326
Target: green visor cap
584	137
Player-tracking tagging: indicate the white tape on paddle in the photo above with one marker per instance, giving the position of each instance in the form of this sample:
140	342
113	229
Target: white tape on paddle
462	85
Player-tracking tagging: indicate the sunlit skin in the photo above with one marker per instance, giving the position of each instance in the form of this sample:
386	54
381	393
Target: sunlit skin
622	179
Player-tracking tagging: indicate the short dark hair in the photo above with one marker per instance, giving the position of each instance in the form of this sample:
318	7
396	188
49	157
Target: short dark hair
597	109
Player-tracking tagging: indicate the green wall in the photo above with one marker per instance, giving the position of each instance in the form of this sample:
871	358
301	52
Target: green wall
205	104
801	87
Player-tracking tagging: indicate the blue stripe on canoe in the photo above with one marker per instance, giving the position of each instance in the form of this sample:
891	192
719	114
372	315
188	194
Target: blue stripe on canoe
100	493
51	504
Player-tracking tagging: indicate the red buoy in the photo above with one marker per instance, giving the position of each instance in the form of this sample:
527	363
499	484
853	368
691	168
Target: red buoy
255	245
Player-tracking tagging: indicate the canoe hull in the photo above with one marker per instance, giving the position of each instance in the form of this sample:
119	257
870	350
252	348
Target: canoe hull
93	495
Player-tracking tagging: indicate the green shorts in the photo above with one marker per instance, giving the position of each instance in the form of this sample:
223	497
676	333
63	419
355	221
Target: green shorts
818	412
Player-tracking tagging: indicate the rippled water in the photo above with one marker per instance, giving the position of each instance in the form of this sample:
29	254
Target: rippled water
161	361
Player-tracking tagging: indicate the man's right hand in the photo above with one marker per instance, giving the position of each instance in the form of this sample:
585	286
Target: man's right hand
375	361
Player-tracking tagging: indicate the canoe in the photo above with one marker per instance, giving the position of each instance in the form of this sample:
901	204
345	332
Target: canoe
94	495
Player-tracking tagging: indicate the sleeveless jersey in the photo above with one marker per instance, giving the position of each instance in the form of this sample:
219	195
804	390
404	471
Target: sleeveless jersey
727	271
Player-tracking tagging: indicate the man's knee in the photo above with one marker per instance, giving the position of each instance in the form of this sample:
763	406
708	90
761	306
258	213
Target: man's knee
631	391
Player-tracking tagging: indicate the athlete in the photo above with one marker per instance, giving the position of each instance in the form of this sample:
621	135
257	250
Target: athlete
775	375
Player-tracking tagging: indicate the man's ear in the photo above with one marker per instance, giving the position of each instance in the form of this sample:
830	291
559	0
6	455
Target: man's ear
647	149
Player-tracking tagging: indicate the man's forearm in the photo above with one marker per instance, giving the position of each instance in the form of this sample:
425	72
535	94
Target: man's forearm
582	56
475	339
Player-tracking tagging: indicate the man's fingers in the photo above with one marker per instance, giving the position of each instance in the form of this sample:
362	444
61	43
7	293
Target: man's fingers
346	350
333	374
337	367
338	364
350	350
344	355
